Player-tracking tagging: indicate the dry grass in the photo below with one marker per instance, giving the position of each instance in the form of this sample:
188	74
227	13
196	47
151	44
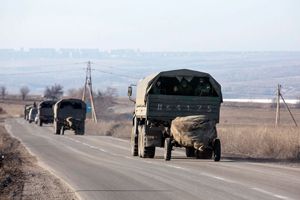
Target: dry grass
121	128
250	132
12	109
260	141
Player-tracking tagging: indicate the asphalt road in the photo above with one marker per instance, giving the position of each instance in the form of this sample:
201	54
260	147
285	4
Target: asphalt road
99	167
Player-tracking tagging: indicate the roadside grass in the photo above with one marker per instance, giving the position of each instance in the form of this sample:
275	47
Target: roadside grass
11	174
120	128
260	141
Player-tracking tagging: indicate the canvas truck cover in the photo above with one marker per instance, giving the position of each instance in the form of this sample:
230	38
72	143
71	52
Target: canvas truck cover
193	131
74	108
145	85
164	96
46	107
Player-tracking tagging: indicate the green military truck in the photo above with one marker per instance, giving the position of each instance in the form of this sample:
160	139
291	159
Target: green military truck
69	114
45	112
27	108
178	108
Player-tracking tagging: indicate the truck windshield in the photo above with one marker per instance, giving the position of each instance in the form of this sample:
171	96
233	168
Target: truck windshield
192	86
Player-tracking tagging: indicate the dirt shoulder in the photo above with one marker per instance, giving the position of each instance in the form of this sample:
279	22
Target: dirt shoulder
22	178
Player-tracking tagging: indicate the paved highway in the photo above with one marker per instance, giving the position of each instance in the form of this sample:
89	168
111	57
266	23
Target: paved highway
98	167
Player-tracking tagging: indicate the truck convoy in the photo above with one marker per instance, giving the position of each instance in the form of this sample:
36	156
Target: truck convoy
69	114
178	108
45	112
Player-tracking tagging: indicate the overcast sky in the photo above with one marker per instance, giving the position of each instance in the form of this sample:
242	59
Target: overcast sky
159	25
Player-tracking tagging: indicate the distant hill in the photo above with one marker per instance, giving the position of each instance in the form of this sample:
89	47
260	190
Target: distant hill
241	74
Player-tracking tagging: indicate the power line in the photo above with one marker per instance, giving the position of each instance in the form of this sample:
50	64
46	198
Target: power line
116	74
35	72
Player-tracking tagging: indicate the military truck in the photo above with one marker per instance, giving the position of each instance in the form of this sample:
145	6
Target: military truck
69	114
162	99
27	108
45	112
32	114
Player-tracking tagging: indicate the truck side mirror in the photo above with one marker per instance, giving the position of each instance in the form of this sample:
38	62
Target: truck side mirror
129	91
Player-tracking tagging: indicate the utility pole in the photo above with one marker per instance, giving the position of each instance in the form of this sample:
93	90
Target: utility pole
289	111
279	95
88	88
278	105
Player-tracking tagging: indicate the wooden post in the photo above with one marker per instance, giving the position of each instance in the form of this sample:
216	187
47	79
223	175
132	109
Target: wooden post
277	120
88	86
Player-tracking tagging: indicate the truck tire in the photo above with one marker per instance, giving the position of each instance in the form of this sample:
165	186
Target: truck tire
189	152
144	152
217	150
134	149
57	128
80	129
141	147
62	130
40	122
168	149
150	152
134	140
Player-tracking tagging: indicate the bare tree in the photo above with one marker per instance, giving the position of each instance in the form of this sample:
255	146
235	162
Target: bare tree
3	91
24	92
53	92
75	93
104	100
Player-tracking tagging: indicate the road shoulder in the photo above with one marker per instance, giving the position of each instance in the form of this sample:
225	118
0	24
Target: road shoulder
21	176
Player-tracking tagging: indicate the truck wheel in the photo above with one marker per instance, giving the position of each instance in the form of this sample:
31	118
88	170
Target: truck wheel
82	128
217	150
150	152
134	149
168	149
189	152
40	122
57	128
141	147
134	143
79	130
62	130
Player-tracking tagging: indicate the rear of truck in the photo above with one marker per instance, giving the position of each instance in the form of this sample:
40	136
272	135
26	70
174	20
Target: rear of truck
164	97
45	112
69	114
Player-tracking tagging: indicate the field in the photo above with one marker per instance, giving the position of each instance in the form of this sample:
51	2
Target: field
250	132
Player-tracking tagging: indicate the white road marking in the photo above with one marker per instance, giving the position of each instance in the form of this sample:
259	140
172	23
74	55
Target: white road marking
271	194
219	178
88	145
176	167
128	157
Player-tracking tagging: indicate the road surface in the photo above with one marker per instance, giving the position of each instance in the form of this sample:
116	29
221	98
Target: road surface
100	167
